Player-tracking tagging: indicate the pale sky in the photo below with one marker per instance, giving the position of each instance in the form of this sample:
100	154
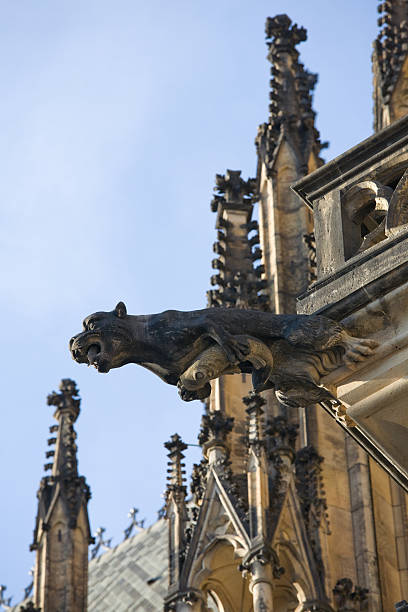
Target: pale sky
115	117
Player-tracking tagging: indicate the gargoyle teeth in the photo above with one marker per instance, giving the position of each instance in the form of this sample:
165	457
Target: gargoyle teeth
92	352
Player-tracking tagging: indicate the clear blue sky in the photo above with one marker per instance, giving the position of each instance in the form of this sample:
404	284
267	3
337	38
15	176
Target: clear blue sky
115	117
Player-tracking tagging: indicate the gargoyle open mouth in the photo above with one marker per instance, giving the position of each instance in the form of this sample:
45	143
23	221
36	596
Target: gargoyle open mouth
86	348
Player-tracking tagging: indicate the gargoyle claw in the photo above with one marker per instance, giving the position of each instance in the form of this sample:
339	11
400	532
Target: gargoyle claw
357	350
236	350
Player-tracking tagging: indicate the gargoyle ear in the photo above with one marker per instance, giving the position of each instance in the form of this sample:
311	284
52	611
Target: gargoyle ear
120	310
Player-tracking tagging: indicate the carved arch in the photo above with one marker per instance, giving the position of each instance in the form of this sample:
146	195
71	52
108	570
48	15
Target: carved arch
220	574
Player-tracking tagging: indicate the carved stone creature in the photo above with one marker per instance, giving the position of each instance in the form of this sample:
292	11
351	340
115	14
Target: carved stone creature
289	353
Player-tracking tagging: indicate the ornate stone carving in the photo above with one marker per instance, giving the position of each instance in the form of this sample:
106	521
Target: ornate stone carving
289	353
29	607
29	589
373	212
134	523
176	510
309	484
281	435
239	283
231	188
265	555
347	599
190	596
290	109
199	480
176	478
100	542
64	483
397	216
4	601
215	427
391	45
389	63
255	421
231	484
310	241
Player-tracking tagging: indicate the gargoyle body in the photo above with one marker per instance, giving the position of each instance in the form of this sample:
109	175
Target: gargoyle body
289	353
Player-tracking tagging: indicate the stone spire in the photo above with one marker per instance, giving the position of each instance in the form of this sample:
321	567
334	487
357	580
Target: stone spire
290	110
288	147
390	65
176	511
238	282
62	532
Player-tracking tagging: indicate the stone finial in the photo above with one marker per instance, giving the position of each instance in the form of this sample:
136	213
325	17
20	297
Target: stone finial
215	427
283	36
176	478
391	45
100	542
161	512
29	607
239	283
281	436
134	523
29	589
67	398
232	189
67	405
4	601
290	108
347	599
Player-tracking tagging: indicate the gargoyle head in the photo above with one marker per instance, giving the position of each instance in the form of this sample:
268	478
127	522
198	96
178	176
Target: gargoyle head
105	341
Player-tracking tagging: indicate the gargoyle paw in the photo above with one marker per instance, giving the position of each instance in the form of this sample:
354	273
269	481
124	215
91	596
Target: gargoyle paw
236	350
357	350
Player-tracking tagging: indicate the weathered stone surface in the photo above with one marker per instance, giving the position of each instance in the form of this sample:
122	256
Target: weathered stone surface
390	63
288	353
62	532
239	283
361	241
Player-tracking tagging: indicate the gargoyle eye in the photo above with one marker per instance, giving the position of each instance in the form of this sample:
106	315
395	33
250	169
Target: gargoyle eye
91	326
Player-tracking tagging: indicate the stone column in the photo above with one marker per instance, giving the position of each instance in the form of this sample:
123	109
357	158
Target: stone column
261	587
362	516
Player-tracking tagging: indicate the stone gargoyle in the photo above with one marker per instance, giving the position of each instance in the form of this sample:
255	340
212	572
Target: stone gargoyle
287	353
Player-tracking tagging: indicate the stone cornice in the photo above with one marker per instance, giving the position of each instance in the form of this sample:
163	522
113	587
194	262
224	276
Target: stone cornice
353	162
